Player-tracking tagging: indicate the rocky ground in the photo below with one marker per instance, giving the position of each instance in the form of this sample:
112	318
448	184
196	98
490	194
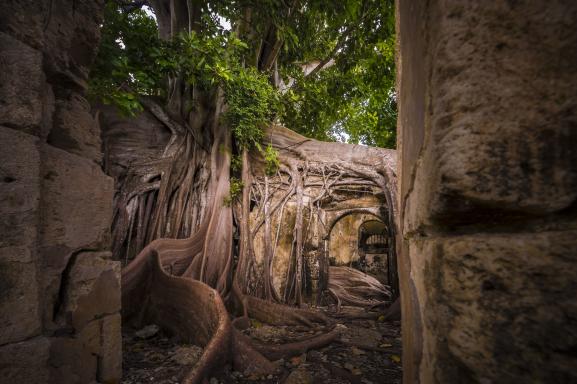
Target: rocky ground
368	352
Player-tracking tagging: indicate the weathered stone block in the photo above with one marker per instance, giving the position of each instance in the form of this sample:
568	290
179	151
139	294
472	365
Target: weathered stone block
76	214
25	362
500	128
495	307
91	336
71	39
20	317
70	362
75	130
77	202
67	32
93	288
22	85
25	20
102	337
110	361
19	188
19	199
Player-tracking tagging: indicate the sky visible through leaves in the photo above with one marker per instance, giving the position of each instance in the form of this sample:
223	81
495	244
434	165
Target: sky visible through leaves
352	99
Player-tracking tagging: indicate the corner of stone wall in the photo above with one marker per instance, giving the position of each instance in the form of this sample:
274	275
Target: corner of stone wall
60	290
488	170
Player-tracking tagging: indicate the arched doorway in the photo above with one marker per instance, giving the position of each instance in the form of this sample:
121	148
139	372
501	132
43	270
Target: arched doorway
361	239
373	249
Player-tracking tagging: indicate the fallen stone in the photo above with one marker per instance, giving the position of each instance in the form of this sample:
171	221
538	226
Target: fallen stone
297	360
268	333
356	351
147	332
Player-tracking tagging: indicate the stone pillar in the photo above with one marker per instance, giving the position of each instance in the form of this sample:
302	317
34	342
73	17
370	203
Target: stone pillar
488	188
59	289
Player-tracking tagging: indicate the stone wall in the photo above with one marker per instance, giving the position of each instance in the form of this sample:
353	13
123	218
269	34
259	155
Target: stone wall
332	233
488	188
59	289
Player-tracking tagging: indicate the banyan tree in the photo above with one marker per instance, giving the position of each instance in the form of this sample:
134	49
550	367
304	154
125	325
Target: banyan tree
222	213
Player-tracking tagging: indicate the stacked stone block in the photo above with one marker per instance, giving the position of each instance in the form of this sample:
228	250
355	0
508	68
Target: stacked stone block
59	288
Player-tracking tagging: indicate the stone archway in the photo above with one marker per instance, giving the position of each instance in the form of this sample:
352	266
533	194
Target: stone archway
344	238
380	211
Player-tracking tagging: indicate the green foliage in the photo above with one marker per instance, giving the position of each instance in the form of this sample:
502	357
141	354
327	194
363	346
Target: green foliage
207	61
271	160
252	103
236	163
202	60
126	65
351	100
132	61
234	192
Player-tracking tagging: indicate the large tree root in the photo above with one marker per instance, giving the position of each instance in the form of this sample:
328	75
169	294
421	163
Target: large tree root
352	287
196	313
275	352
278	314
187	308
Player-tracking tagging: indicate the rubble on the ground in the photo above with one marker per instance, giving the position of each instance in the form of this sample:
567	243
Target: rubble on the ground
149	356
368	352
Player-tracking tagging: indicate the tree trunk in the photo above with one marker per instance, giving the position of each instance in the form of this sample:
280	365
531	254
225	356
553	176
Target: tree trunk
174	218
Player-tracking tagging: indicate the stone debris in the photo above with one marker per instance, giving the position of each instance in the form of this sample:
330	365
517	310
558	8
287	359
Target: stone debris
147	332
369	353
150	356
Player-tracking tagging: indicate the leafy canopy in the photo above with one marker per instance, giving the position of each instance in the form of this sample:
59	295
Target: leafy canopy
336	66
